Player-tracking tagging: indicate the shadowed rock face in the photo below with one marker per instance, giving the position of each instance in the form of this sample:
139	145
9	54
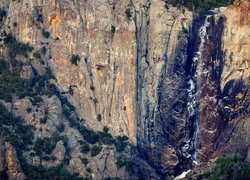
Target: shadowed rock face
176	84
196	110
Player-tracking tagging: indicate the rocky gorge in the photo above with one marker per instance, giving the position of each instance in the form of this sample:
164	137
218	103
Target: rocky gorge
118	89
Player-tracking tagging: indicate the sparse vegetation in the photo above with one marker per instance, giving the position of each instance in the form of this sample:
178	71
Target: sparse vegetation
95	150
75	59
123	161
120	162
44	145
21	136
35	100
28	109
99	117
84	161
113	29
106	137
121	143
13	129
37	55
128	13
3	14
40	172
11	84
46	34
199	5
7	121
43	120
184	30
231	167
15	24
85	148
16	48
61	127
88	170
92	88
89	136
71	91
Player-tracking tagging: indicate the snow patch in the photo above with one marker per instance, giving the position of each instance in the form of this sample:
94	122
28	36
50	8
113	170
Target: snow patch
183	175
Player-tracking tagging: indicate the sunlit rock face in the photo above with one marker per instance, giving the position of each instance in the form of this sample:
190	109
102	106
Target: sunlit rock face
104	38
175	83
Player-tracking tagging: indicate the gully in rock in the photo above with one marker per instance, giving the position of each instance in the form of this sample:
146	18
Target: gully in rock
194	84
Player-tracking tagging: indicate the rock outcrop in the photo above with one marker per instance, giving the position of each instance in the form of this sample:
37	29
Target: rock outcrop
174	82
9	163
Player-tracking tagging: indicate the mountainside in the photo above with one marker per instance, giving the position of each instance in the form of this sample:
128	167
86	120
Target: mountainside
140	89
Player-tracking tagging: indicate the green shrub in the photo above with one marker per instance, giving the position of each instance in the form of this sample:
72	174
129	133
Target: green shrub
40	172
120	143
128	13
120	146
44	50
32	154
66	111
85	148
71	91
89	136
84	161
46	158
75	59
46	34
129	166
21	136
11	83
121	161
113	29
4	174
28	109
44	145
36	100
231	167
122	138
95	150
105	129
199	5
3	66
107	178
185	30
88	170
106	137
92	88
61	127
3	14
99	117
37	55
43	120
16	48
50	90
108	140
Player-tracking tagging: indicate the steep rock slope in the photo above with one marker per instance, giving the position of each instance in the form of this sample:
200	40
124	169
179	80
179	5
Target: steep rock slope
176	84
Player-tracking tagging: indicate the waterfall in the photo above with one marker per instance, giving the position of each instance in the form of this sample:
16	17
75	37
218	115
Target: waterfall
194	84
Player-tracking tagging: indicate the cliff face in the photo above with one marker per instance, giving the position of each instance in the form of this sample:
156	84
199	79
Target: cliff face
176	84
231	80
102	83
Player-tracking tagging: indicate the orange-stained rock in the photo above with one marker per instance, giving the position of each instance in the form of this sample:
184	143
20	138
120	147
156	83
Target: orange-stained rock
13	165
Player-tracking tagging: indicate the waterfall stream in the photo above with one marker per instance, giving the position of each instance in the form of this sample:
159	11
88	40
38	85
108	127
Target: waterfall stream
194	85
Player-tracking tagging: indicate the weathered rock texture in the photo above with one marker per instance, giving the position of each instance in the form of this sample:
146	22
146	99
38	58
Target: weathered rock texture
146	71
9	163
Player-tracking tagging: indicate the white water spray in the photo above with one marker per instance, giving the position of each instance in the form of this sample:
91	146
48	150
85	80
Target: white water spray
194	84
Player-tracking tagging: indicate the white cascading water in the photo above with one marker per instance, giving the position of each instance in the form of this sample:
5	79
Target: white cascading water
194	84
